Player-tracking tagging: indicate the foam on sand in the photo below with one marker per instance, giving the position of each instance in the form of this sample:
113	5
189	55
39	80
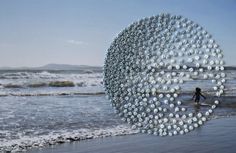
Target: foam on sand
26	143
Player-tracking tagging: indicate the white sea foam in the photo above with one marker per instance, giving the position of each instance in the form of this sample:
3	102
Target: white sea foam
26	143
79	80
2	94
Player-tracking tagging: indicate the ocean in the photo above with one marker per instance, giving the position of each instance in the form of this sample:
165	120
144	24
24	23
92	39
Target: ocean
42	107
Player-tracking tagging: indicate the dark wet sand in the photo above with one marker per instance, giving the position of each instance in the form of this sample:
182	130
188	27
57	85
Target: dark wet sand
217	136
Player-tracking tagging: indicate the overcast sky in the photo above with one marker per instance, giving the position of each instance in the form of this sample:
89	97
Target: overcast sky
38	32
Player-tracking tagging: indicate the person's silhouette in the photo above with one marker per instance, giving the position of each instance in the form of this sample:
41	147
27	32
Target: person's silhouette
197	95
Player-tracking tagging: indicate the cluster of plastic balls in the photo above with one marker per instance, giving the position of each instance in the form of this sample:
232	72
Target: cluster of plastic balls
147	65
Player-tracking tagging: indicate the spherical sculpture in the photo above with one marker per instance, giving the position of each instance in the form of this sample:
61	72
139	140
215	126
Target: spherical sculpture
147	67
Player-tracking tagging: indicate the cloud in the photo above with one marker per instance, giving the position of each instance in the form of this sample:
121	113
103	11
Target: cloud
76	42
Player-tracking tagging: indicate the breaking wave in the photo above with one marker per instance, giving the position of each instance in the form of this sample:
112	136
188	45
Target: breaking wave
29	75
26	143
53	94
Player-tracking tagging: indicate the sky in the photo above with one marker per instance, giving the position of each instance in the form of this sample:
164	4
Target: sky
38	32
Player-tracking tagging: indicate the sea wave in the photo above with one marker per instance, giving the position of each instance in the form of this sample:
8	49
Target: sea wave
23	80
59	83
52	94
226	101
210	94
46	74
26	143
28	75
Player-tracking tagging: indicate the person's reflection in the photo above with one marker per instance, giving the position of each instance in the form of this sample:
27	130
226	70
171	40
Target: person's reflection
196	108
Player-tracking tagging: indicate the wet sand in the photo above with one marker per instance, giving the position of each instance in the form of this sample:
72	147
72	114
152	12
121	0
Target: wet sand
217	136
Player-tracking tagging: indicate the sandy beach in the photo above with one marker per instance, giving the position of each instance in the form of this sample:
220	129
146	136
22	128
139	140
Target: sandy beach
217	136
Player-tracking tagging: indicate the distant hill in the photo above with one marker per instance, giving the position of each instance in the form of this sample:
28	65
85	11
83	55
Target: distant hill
57	67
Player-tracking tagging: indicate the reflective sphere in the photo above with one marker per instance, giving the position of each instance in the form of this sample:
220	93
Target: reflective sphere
146	69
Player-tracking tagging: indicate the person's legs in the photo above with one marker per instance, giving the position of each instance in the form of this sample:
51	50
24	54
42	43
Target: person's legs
197	100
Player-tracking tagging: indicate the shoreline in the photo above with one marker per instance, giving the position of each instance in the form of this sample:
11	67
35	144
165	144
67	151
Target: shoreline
218	135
